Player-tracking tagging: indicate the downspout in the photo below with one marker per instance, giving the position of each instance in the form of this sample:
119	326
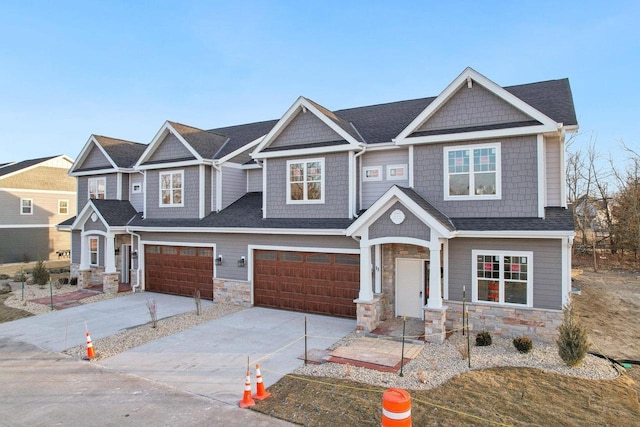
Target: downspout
355	160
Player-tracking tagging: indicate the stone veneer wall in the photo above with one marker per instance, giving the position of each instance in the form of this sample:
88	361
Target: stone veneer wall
389	254
368	314
508	322
232	291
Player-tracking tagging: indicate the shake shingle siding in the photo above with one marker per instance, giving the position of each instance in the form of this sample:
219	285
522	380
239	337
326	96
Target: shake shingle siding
371	189
169	150
305	128
411	227
190	195
519	180
547	272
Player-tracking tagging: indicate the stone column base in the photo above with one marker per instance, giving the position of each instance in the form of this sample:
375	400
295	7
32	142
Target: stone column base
435	330
110	282
368	313
84	279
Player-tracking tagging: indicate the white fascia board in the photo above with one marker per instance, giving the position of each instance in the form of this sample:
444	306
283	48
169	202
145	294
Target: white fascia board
520	234
252	166
83	154
232	165
305	151
239	230
291	113
30	190
93	172
82	217
157	139
460	81
483	134
385	202
382	146
173	165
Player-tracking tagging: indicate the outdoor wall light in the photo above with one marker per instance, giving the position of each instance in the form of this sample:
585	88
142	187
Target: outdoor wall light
219	260
241	261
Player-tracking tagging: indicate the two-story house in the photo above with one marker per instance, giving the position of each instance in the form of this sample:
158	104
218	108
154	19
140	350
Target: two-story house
35	195
398	209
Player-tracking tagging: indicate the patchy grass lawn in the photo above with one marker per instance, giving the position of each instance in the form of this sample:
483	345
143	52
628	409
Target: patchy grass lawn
507	396
7	314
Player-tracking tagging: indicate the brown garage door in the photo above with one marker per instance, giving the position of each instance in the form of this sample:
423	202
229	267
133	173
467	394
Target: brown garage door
179	270
309	282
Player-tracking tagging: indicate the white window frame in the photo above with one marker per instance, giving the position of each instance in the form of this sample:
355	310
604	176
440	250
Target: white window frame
367	169
171	204
393	176
97	251
305	200
60	201
474	286
136	187
99	180
471	195
22	206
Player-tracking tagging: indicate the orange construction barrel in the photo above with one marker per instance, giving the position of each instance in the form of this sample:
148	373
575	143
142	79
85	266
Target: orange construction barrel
396	408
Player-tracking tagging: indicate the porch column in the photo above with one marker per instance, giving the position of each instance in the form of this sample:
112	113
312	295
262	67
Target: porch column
110	255
378	269
366	291
85	256
435	286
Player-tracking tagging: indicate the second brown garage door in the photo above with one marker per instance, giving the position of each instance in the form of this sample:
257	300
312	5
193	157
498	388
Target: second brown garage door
309	282
179	270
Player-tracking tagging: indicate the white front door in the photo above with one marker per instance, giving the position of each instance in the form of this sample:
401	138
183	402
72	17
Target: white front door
409	287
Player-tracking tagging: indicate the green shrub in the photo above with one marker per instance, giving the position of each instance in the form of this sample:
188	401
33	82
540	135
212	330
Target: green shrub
40	274
523	344
483	339
573	341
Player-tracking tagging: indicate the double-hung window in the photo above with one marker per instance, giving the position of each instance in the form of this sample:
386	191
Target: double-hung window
97	188
26	206
472	172
305	181
93	250
171	188
503	277
63	207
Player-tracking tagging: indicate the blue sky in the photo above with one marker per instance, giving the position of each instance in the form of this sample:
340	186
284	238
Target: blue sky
121	68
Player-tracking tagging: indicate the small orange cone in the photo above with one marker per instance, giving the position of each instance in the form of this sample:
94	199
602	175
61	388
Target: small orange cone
246	397
261	393
90	352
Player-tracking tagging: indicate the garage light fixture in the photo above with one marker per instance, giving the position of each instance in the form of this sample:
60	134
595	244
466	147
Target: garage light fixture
219	260
241	261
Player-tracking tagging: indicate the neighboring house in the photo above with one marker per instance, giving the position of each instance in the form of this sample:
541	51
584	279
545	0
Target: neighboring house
372	212
35	195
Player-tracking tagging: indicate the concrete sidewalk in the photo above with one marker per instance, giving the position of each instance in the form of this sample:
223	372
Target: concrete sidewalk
211	359
64	329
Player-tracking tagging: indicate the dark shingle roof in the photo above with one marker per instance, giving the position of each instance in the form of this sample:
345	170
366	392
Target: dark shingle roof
556	219
68	222
241	135
206	143
552	98
10	168
124	154
341	122
245	212
117	213
428	207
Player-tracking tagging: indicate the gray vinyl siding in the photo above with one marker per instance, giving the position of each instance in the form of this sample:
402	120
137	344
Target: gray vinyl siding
44	208
254	180
38	243
547	266
76	246
125	186
305	128
234	184
336	192
553	170
207	190
83	188
372	190
95	159
519	180
412	226
170	149
190	195
234	246
136	199
473	106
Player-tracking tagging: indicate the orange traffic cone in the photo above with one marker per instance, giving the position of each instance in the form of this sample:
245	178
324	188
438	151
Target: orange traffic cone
90	352
261	393
246	398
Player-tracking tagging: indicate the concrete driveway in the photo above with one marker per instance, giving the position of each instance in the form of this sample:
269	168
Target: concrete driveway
211	359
